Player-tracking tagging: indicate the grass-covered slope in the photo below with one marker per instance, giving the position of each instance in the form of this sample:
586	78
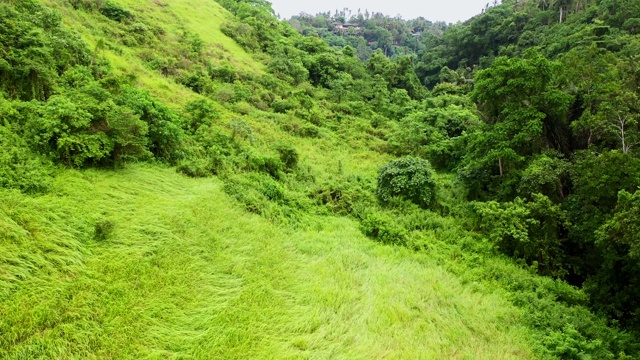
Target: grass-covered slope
130	48
145	263
106	251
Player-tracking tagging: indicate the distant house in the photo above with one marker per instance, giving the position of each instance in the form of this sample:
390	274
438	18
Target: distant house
339	27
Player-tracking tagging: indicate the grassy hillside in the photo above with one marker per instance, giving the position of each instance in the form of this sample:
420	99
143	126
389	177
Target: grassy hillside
233	224
172	19
144	263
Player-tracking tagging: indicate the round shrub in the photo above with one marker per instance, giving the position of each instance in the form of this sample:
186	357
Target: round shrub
409	178
116	12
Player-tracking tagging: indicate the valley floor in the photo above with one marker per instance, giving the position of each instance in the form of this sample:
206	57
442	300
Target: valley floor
145	263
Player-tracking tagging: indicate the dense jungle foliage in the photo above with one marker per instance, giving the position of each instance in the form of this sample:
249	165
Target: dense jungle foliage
514	134
546	146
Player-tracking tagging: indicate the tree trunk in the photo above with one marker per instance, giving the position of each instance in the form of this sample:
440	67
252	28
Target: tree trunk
561	13
560	190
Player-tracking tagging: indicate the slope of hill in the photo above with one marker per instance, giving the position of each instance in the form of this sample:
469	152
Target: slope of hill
159	37
177	269
178	180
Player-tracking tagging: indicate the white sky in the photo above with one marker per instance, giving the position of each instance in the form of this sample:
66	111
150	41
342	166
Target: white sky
450	11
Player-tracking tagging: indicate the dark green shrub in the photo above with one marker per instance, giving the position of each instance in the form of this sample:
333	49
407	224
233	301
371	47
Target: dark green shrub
103	229
632	25
409	178
309	131
267	164
225	73
272	190
165	134
19	167
167	66
221	152
288	155
62	129
225	93
36	49
614	289
282	106
261	194
383	228
86	127
195	168
200	112
90	5
77	77
242	33
115	12
350	195
287	68
195	80
129	136
527	230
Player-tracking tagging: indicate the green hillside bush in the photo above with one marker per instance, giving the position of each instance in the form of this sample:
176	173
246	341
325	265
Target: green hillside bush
20	168
115	12
410	178
383	228
288	155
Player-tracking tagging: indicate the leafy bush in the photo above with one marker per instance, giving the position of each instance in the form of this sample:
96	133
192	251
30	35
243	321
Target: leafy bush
116	12
195	80
241	129
383	228
615	288
90	5
219	150
289	69
632	25
242	33
85	127
266	164
261	194
225	73
272	190
288	155
346	195
165	134
19	167
242	107
36	50
200	112
527	230
410	178
282	106
195	168
308	131
103	229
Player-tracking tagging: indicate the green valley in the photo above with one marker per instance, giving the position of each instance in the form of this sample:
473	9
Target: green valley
200	180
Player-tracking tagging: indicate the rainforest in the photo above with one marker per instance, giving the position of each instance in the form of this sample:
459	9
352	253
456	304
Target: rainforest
203	180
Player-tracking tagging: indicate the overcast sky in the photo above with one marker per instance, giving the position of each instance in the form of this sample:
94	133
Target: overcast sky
450	11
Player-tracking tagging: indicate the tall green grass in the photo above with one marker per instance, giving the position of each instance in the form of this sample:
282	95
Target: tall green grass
183	272
145	263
